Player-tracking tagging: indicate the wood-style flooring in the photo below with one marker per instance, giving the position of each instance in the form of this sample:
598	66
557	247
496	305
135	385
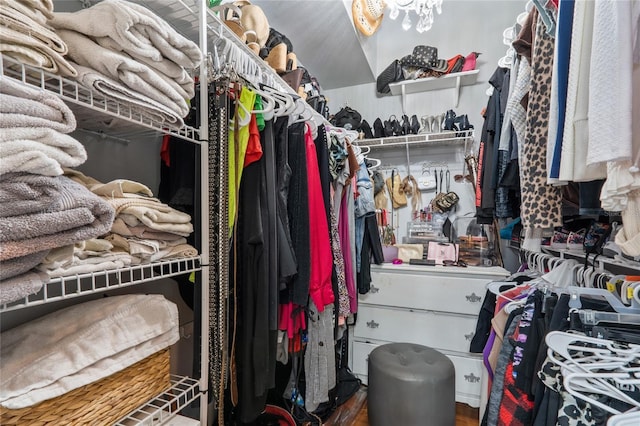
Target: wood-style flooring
354	412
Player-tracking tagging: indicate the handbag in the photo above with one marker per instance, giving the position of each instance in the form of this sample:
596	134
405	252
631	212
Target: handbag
347	118
293	78
391	74
441	252
406	252
444	201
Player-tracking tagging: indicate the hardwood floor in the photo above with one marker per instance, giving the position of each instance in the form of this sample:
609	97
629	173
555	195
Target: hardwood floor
354	412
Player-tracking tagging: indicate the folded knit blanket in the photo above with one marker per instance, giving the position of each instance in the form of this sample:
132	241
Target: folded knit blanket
126	70
144	105
40	150
79	216
75	346
19	265
17	20
27	48
125	26
21	286
24	106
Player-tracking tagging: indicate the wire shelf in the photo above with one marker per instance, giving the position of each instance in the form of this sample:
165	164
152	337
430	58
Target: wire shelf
82	284
420	140
165	406
126	121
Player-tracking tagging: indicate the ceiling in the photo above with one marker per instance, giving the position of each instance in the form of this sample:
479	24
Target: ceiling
323	38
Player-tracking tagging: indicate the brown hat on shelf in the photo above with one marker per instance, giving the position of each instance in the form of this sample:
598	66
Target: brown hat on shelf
367	15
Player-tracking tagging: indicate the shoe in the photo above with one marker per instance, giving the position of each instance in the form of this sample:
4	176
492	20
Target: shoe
575	241
277	58
437	123
405	126
415	126
388	128
424	128
596	236
366	129
395	126
462	122
430	120
378	128
559	239
449	120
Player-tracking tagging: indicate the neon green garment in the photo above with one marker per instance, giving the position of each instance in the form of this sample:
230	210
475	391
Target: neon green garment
259	115
236	165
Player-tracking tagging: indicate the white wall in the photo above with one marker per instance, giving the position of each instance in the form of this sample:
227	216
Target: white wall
463	27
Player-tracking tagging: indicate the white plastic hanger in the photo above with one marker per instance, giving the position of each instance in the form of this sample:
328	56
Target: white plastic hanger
584	385
630	418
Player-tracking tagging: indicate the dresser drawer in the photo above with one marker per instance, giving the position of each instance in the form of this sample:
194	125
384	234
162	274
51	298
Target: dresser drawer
468	372
433	329
431	292
468	379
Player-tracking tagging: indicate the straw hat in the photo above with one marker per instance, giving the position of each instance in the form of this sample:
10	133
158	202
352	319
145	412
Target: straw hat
367	15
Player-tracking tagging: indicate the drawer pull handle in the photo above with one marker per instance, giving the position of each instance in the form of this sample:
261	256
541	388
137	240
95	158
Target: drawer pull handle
469	336
372	324
471	378
374	289
473	298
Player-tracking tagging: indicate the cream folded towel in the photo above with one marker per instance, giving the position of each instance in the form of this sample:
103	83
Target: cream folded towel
29	49
83	257
39	16
20	22
125	26
38	150
72	347
154	214
141	231
44	6
21	286
126	70
31	107
156	111
80	215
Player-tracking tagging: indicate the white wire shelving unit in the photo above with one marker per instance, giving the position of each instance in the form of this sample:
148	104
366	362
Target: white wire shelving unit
419	140
68	287
164	407
114	117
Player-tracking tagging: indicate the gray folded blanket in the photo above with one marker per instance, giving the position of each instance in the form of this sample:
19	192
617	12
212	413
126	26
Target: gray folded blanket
126	70
127	27
80	215
24	106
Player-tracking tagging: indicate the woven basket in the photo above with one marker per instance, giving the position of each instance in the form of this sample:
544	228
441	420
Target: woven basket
102	402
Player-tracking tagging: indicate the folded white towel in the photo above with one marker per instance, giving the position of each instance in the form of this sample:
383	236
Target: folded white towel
30	50
31	107
21	286
58	352
140	231
40	151
126	70
155	215
20	22
125	26
156	111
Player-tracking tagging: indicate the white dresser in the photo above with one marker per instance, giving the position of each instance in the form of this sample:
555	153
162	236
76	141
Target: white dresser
434	306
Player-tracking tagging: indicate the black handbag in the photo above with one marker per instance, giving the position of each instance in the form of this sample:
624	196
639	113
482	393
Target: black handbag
347	118
391	74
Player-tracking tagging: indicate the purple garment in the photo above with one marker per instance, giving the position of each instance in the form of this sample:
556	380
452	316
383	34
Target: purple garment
487	350
343	228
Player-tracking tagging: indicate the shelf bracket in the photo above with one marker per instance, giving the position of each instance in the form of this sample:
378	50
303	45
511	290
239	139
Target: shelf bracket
456	95
404	100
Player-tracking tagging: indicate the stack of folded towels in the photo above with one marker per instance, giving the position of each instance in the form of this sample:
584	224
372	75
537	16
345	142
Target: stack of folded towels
144	228
39	208
124	50
26	36
79	345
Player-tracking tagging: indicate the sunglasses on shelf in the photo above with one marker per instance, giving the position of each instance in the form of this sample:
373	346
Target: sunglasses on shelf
461	178
459	263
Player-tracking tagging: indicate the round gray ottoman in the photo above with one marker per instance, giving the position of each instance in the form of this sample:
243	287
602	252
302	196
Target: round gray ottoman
410	385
